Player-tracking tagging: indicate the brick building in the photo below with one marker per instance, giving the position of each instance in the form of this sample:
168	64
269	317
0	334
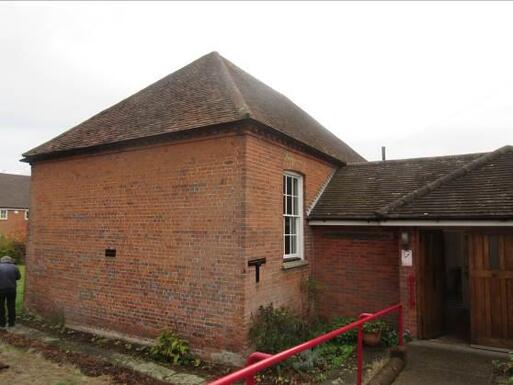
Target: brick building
14	206
153	213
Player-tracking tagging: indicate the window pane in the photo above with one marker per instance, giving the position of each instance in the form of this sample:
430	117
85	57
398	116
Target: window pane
295	201
293	244
287	225
289	185
293	225
284	184
289	205
287	244
294	186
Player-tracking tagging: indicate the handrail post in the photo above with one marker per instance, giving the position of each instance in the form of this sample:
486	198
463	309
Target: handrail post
359	351
401	325
254	357
359	356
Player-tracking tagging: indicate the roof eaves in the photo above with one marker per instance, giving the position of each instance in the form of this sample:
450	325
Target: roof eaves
427	188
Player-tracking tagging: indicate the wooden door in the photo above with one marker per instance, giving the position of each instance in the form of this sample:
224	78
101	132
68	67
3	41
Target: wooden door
432	283
491	289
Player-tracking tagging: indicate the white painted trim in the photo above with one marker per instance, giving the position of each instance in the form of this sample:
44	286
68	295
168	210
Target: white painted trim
404	222
6	215
319	194
300	231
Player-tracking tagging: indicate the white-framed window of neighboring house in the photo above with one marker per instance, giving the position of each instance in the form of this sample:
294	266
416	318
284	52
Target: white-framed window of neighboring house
292	215
4	214
26	215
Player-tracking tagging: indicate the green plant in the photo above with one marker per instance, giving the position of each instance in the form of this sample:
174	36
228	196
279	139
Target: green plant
276	329
170	347
12	248
349	337
505	369
389	336
374	326
335	354
308	360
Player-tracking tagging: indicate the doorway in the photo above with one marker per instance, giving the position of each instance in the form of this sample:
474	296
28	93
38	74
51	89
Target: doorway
443	285
465	286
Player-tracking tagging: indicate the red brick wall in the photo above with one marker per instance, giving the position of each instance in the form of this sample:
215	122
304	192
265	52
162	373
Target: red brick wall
15	227
266	162
173	213
357	269
184	218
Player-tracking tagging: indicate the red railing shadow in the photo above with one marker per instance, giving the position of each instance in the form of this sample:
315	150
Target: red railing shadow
258	361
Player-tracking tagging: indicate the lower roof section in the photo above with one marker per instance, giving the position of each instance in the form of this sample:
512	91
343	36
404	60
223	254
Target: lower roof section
452	188
415	223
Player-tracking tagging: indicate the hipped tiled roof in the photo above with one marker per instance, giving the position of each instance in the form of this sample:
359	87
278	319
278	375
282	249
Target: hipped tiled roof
477	186
207	92
14	191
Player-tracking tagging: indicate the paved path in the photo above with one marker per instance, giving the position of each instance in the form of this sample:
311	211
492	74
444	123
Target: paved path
148	368
432	363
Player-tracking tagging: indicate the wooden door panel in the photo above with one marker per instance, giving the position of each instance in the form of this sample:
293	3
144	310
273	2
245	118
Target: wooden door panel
508	253
509	306
432	270
491	276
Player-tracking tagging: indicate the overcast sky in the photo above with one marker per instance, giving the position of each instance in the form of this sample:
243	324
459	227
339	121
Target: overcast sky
422	78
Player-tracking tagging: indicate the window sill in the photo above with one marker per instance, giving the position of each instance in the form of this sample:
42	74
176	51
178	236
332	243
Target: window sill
294	264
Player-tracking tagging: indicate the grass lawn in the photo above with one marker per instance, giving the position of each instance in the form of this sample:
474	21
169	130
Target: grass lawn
31	368
20	290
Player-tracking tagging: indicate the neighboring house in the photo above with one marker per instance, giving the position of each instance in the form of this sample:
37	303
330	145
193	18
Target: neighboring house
153	213
14	206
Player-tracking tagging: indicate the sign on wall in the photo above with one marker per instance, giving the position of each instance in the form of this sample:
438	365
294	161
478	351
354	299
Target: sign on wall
407	257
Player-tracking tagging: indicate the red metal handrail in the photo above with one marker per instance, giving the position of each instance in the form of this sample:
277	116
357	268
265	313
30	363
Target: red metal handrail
258	361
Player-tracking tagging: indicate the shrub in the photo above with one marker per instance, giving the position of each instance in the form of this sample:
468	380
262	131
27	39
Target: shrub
374	326
308	360
171	348
335	354
389	337
274	330
12	248
348	338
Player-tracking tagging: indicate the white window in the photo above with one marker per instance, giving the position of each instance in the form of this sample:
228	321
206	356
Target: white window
3	215
292	216
26	215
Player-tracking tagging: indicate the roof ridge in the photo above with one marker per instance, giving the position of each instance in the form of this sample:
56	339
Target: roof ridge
420	158
238	98
427	188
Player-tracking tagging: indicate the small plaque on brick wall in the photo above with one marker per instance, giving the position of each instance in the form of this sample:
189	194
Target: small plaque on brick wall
407	257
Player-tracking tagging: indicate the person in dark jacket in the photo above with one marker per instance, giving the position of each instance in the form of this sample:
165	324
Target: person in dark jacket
9	274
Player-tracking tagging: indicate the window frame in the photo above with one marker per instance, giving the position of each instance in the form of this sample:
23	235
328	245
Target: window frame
26	215
299	254
2	218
